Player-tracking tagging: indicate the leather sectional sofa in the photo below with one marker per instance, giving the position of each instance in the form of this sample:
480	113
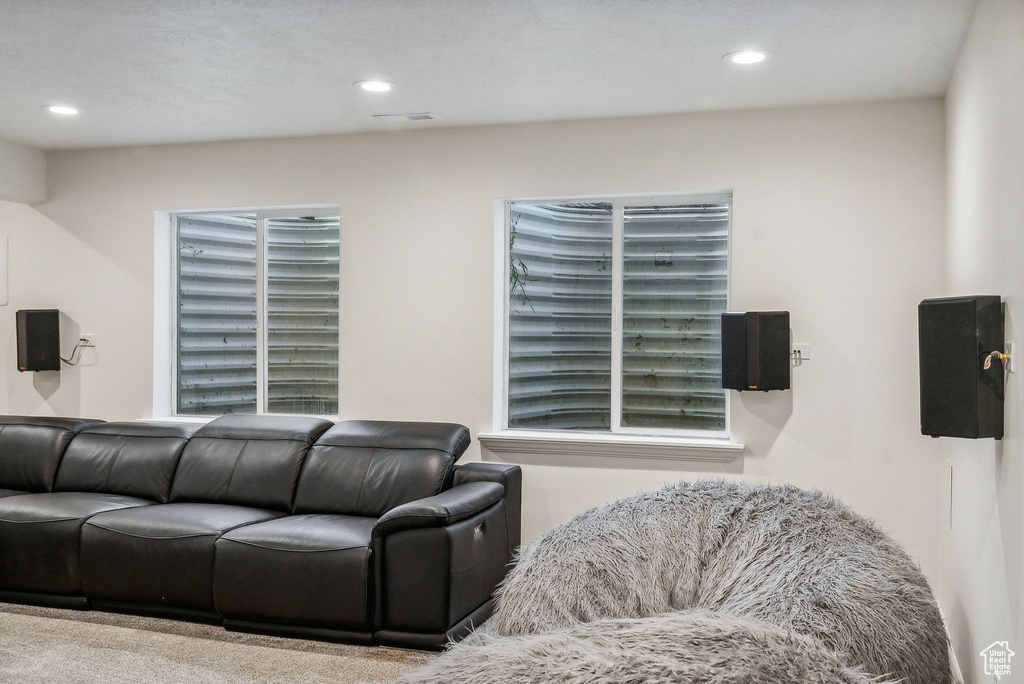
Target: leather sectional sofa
360	531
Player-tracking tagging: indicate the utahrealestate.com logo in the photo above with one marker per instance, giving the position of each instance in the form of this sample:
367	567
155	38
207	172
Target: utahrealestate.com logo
997	659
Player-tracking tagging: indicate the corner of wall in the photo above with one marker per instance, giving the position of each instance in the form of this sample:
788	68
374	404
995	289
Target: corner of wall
984	248
22	174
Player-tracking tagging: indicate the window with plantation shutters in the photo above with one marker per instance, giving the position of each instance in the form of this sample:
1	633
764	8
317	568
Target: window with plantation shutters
257	313
613	314
217	314
560	315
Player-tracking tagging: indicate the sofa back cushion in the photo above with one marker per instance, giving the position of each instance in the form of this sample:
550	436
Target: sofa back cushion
246	460
31	448
131	459
368	467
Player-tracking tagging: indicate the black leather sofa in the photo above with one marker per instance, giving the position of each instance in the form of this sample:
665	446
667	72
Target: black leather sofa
360	531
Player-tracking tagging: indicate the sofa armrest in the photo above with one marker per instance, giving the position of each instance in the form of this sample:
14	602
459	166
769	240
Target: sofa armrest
437	563
511	478
458	503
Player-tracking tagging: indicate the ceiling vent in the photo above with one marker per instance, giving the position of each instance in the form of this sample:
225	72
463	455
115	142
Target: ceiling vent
414	116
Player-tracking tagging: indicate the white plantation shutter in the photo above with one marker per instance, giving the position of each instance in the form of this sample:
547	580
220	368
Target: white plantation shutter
674	288
560	316
219	311
302	316
674	285
217	314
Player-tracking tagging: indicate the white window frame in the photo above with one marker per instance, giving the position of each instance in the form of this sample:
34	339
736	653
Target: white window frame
619	441
165	382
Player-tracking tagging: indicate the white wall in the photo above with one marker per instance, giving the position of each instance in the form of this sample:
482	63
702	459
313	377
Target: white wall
839	214
985	238
22	173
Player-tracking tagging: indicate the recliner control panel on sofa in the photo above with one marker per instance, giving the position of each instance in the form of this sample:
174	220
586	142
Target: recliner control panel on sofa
362	531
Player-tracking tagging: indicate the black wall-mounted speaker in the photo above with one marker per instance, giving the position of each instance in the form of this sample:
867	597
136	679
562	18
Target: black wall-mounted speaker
756	351
959	396
38	340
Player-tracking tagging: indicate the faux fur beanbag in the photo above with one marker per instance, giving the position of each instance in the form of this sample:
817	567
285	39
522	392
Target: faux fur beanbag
793	559
691	647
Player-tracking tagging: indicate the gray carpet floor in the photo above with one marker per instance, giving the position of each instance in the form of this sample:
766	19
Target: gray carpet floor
72	647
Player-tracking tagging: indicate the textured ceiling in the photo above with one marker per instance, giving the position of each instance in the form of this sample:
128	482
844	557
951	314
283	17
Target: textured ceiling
164	71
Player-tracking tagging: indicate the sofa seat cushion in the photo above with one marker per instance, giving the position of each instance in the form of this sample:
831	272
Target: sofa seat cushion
303	569
160	555
4	493
39	536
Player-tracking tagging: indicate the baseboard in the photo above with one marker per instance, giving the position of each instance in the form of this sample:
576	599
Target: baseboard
954	664
958	675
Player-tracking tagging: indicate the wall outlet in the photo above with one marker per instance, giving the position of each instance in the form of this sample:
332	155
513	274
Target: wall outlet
87	339
801	353
1009	352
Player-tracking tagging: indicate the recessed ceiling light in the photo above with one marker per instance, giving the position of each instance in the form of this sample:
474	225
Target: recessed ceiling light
374	86
63	110
746	57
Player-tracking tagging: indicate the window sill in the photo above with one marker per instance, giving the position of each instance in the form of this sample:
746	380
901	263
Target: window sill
191	420
203	420
610	445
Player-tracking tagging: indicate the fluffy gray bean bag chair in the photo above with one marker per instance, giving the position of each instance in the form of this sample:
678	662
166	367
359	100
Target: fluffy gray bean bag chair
794	559
694	647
